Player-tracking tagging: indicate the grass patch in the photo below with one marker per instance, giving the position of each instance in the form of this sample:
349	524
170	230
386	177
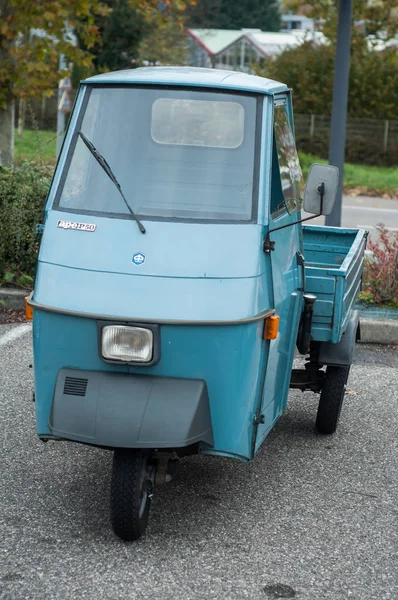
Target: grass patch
384	179
362	179
35	146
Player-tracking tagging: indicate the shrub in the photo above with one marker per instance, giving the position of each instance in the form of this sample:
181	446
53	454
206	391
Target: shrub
380	279
23	191
359	150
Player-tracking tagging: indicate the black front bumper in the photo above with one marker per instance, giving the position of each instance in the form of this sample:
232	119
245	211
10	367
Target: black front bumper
121	410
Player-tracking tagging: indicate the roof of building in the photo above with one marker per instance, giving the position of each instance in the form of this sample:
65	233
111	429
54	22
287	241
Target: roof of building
268	43
215	40
190	76
271	43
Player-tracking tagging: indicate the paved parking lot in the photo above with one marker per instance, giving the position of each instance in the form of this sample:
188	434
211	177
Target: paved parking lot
314	518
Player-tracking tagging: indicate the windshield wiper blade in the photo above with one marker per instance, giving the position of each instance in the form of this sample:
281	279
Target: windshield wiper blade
102	162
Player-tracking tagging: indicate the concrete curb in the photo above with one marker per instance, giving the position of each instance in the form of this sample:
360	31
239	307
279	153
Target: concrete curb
373	331
379	331
13	299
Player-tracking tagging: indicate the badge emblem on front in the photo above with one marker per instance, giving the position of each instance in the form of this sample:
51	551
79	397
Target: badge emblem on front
76	226
139	258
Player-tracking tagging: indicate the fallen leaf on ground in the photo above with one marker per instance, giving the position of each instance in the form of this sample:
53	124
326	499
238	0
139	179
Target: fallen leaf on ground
351	392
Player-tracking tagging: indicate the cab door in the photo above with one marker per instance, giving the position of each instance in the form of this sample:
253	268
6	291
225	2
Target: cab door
286	273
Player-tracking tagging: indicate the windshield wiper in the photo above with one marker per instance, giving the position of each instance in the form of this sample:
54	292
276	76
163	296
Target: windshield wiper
102	162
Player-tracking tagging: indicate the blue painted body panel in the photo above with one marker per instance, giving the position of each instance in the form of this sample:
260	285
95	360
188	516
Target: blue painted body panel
151	298
284	283
196	250
192	272
334	264
228	358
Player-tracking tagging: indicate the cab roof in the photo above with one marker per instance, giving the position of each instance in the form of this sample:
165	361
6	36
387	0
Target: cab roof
190	76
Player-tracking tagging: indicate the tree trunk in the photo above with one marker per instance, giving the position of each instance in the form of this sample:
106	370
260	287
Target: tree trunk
7	116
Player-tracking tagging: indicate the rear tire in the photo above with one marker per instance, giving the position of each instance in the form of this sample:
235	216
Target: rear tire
131	492
331	399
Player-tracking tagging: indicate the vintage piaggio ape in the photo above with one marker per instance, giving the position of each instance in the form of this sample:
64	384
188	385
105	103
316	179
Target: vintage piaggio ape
175	279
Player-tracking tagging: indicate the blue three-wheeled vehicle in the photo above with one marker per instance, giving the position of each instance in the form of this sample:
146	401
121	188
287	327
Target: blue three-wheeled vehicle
175	279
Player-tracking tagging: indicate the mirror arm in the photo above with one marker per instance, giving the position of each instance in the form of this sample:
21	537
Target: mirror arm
268	245
321	190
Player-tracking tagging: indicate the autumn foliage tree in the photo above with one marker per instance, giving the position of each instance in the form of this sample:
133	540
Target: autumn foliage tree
32	35
34	32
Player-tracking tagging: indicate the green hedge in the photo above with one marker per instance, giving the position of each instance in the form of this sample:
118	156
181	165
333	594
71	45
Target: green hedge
23	192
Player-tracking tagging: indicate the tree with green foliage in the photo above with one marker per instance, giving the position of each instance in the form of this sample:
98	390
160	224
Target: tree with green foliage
378	18
120	33
373	84
165	40
235	14
309	71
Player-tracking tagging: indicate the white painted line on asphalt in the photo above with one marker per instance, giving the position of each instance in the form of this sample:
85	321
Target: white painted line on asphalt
374	227
370	208
15	333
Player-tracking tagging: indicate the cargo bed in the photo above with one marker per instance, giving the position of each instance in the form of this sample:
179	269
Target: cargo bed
333	271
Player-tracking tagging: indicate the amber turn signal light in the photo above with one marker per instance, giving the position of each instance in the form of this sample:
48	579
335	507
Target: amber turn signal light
28	310
271	327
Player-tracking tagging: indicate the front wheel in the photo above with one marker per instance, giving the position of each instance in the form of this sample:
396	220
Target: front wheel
331	399
132	486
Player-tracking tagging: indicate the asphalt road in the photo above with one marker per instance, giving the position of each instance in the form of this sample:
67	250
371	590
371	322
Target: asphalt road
366	213
312	516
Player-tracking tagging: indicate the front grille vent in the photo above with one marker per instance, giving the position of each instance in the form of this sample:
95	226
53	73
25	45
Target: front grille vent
75	386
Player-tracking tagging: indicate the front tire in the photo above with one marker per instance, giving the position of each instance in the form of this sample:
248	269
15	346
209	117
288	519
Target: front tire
331	399
132	487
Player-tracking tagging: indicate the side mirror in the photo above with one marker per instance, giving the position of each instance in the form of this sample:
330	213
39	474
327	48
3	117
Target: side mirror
321	189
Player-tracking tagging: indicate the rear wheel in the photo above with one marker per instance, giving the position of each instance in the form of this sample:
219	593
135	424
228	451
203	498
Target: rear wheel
331	399
132	485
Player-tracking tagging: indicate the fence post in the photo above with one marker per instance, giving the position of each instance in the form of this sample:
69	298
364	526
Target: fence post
43	111
312	126
60	113
385	140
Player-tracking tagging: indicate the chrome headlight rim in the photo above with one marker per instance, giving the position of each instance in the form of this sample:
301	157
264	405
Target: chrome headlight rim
155	329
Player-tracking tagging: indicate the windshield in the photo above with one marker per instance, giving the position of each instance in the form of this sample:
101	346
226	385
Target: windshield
177	153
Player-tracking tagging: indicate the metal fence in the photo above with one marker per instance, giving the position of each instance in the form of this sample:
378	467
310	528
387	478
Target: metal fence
44	112
375	141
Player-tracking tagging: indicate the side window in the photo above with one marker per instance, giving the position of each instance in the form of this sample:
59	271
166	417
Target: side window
287	178
277	200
